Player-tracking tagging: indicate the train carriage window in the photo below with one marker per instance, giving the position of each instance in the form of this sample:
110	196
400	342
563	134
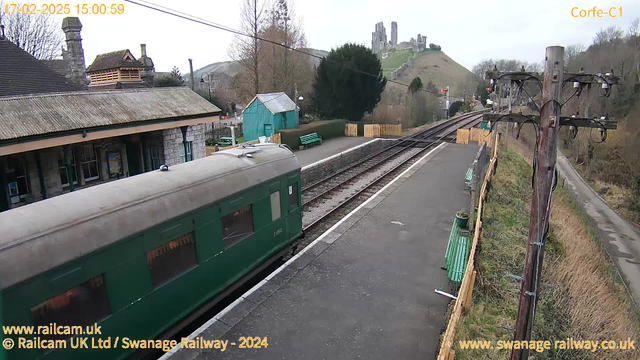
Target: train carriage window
83	305
172	259
237	226
275	206
293	196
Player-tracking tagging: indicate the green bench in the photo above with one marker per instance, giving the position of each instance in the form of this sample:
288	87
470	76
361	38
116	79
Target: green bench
457	254
467	178
310	139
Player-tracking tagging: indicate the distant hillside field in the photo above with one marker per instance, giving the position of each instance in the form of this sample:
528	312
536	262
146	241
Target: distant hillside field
395	60
434	66
232	68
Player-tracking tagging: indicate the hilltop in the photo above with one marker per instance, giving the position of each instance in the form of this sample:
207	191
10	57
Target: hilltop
429	65
232	68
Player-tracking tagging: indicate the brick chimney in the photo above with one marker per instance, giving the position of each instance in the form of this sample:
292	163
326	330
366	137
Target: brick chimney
74	55
149	70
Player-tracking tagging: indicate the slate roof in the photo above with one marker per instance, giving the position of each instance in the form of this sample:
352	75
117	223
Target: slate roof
276	102
24	116
113	60
21	73
60	66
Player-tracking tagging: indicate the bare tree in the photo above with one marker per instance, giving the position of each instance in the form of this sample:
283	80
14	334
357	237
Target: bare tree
37	34
246	49
534	67
284	67
481	68
610	34
634	28
571	53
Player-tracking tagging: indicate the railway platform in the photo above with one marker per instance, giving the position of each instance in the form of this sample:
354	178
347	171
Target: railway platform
364	288
328	148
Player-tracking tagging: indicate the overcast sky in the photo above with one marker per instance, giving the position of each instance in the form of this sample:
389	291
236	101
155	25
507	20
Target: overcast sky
467	30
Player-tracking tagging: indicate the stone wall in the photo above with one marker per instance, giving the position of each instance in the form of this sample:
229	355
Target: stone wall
174	149
313	173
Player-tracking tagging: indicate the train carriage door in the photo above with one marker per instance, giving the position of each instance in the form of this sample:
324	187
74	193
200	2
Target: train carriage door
294	207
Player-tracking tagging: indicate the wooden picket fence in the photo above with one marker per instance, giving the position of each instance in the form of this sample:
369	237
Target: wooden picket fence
463	301
275	139
351	130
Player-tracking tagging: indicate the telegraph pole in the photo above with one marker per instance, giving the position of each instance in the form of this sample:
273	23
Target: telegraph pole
541	200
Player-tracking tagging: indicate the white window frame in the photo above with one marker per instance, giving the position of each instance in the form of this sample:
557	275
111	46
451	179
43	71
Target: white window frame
75	168
95	159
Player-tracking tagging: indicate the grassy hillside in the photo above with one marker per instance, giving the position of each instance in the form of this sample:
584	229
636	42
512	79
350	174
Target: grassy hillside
434	66
395	60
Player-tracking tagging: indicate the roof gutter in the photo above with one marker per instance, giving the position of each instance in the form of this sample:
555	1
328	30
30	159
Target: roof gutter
14	146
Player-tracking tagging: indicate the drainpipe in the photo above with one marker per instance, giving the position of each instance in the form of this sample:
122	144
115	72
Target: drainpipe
67	165
184	141
43	189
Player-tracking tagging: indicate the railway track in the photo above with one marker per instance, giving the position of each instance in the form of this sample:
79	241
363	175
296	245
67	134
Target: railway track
329	199
324	203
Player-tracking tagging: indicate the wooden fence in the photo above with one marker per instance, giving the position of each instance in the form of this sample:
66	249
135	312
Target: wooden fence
463	301
390	130
372	130
275	139
351	130
462	136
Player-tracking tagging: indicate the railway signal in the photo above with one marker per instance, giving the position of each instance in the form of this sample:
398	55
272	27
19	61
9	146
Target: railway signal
444	90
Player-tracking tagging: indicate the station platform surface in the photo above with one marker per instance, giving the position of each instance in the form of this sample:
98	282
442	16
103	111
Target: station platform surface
327	148
363	289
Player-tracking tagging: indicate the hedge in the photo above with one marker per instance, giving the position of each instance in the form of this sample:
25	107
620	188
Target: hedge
326	129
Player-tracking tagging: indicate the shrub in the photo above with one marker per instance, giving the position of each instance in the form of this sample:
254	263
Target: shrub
326	129
210	142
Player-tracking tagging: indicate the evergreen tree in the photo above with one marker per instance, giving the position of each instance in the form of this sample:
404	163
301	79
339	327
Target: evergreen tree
343	85
175	72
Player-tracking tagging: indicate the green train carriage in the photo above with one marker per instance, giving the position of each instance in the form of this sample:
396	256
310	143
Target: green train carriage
138	255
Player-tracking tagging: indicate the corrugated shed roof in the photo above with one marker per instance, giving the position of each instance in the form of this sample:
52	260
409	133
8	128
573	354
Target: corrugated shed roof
24	116
276	102
21	73
114	60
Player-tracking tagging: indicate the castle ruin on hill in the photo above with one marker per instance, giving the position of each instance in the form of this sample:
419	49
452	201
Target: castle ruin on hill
380	45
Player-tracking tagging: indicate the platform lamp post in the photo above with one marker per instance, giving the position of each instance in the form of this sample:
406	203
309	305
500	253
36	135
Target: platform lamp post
300	98
208	82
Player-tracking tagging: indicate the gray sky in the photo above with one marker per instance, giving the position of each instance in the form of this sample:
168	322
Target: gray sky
467	30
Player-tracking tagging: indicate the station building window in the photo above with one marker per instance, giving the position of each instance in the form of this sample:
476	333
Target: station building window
275	206
18	179
189	153
89	162
157	156
236	226
82	305
293	196
64	175
170	260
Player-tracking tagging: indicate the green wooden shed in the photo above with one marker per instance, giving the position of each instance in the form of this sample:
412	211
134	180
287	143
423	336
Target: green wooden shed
268	113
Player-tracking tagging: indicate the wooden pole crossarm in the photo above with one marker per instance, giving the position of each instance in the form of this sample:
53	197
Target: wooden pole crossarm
564	120
582	78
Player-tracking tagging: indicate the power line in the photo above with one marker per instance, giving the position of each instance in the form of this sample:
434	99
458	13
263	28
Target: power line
185	16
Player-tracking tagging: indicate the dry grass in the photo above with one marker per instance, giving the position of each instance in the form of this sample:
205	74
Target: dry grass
589	301
599	306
